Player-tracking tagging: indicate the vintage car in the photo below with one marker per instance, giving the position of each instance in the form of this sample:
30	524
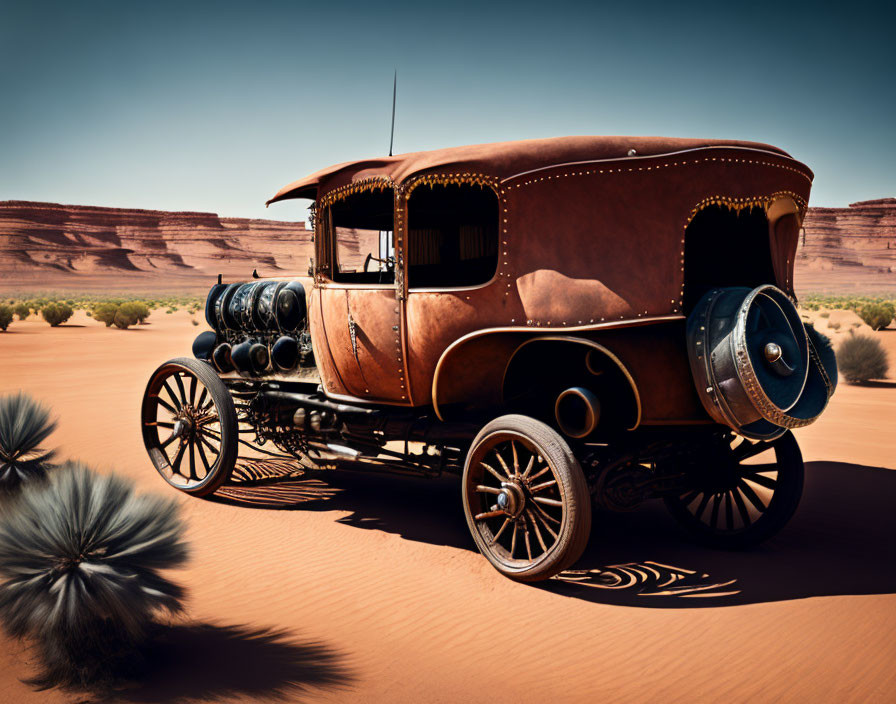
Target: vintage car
563	322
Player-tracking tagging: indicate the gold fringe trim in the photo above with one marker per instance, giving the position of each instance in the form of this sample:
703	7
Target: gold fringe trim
739	204
372	183
455	179
382	183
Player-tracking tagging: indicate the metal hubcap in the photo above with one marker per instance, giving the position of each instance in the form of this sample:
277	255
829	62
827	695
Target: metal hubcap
512	499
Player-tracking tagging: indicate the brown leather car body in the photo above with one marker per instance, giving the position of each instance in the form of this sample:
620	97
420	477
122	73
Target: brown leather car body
592	249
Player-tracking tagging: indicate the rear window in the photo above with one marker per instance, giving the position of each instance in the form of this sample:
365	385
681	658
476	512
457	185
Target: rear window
452	235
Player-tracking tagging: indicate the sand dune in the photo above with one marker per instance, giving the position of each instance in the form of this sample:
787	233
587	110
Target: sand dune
353	587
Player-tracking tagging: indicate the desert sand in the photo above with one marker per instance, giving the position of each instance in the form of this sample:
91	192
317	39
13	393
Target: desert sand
368	588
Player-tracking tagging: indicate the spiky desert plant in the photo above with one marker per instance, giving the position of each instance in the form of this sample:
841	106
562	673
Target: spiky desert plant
80	561
24	425
861	358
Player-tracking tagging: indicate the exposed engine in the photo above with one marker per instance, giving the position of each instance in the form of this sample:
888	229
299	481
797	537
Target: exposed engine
260	327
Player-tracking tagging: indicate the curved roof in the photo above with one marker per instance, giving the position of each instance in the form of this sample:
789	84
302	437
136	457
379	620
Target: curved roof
502	159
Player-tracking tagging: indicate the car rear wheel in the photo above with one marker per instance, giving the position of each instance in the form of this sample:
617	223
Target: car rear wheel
525	498
190	426
741	493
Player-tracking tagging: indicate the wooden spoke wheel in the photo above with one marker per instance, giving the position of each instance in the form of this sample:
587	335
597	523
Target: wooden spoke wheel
741	493
526	499
190	426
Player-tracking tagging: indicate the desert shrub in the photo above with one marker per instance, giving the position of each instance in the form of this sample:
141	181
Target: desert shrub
5	316
141	310
825	314
861	358
194	321
56	313
835	325
170	311
24	425
80	562
877	315
105	313
130	313
124	318
22	310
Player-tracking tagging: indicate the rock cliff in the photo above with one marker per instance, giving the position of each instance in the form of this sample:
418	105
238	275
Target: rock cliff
848	250
51	246
47	245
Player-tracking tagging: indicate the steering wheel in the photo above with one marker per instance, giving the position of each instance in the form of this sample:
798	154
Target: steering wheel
388	261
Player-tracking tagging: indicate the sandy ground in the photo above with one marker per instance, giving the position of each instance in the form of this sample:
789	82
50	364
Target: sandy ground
368	588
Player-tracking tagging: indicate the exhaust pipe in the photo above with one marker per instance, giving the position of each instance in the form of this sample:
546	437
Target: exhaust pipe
342	451
577	411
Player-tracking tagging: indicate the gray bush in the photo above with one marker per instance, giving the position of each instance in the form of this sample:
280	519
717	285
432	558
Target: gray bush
80	562
24	425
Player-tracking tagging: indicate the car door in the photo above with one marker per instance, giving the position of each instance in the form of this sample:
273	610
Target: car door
360	306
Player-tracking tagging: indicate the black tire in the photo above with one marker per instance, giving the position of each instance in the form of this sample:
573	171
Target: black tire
726	491
559	508
203	422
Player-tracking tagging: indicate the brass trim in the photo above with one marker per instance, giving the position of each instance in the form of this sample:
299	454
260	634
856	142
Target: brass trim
468	178
370	183
653	157
738	204
517	329
593	345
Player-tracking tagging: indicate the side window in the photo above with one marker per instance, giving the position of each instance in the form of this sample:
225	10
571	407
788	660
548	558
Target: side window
358	239
452	235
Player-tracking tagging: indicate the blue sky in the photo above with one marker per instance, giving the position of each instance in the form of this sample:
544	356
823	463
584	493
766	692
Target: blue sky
214	106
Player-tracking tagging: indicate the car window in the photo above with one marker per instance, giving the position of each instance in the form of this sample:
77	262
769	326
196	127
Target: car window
452	235
359	238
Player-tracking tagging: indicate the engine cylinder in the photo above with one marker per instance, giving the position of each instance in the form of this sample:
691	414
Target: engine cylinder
285	353
250	357
221	358
290	307
203	345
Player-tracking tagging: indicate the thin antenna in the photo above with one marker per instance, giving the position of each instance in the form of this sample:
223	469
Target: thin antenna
394	88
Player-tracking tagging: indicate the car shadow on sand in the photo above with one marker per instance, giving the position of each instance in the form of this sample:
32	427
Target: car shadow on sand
841	541
206	663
